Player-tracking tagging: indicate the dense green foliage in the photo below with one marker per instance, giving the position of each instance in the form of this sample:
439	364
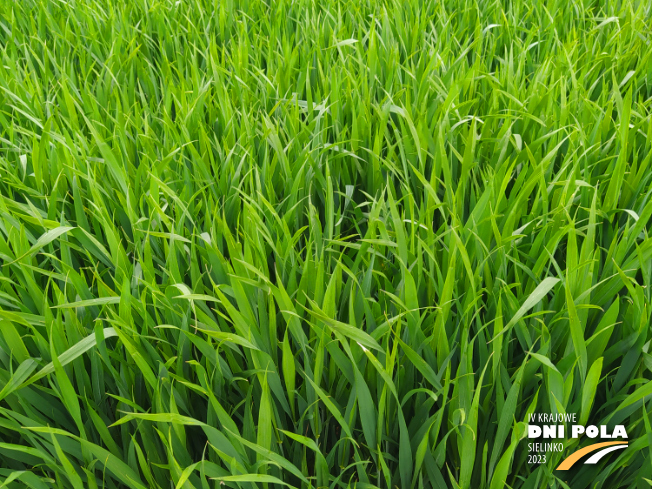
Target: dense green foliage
322	243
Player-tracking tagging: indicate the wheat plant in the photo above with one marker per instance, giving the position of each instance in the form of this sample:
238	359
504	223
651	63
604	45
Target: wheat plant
322	243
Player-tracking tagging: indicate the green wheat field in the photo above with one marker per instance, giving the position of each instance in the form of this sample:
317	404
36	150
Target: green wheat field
323	243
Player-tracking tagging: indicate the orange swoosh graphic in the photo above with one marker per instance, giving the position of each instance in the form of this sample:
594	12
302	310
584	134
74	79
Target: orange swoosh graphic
575	456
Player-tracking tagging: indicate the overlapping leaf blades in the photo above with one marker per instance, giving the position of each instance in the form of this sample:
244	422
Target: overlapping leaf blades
321	244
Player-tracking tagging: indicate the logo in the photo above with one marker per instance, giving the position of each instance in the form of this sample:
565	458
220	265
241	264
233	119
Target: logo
594	459
555	429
